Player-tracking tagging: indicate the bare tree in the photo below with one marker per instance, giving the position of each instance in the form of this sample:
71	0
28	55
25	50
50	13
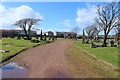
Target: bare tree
30	23
117	31
75	30
98	28
108	16
23	23
91	31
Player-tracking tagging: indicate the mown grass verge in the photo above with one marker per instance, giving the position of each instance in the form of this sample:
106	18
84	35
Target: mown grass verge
96	69
108	54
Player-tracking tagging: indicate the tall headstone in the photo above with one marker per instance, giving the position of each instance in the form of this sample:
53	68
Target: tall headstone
36	36
41	35
53	38
45	37
49	37
83	37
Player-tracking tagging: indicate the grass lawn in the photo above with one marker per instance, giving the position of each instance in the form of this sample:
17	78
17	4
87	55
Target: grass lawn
109	54
80	61
14	46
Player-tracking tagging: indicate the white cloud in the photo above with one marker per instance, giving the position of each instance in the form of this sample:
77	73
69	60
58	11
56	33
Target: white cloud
85	16
18	28
66	23
8	16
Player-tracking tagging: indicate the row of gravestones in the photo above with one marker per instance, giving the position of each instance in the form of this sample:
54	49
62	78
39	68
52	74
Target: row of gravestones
44	39
112	44
84	41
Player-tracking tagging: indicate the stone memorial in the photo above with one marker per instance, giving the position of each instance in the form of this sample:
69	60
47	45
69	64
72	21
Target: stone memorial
83	37
112	44
35	41
45	37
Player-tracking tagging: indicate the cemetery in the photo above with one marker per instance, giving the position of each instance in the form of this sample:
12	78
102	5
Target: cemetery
109	54
94	43
95	46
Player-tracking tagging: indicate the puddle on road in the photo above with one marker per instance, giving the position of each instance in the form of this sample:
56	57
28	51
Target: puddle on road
62	75
14	70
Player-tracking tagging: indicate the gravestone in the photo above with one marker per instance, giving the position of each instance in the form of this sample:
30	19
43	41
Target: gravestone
83	37
93	45
18	37
4	51
41	38
112	44
96	45
118	42
87	41
45	37
53	38
0	36
49	37
35	41
36	37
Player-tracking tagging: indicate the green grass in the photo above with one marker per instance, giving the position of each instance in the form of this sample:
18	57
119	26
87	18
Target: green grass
77	55
15	46
109	54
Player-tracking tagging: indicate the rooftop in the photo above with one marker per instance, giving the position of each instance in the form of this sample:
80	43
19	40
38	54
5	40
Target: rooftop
13	30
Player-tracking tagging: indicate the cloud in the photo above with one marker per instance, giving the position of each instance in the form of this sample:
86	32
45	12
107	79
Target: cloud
8	16
18	28
66	23
85	16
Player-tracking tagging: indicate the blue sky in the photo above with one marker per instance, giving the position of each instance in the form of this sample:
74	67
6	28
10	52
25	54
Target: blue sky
57	16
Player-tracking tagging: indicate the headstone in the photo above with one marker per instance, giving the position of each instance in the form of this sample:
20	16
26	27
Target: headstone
49	37
83	37
45	37
93	45
112	44
18	37
96	46
4	51
87	41
53	38
36	37
41	35
25	39
118	42
35	41
0	36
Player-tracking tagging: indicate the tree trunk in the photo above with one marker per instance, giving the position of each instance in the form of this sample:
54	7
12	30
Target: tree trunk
26	34
29	32
104	41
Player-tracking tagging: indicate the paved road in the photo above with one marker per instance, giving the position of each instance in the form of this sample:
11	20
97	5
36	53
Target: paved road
47	61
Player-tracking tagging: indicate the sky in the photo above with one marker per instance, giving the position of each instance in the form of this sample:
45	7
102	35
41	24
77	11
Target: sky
56	16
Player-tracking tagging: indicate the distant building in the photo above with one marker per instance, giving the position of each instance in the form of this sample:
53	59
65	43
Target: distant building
8	33
49	33
65	34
